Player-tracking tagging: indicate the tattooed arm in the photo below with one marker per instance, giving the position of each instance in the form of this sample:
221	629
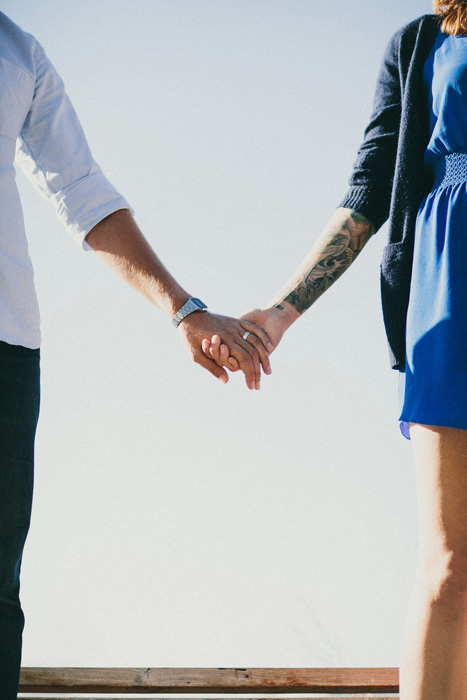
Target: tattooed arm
333	252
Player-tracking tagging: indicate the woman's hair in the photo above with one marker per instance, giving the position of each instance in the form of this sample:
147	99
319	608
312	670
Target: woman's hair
453	14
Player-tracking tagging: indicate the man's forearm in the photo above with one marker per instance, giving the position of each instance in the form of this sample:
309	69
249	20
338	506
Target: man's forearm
121	245
334	251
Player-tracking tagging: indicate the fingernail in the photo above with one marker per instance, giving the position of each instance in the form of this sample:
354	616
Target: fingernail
223	379
270	346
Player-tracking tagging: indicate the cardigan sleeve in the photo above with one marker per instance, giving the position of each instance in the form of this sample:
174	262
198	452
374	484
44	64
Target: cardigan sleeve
370	183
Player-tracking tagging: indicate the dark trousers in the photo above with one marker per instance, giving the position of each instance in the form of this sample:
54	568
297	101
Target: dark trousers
19	413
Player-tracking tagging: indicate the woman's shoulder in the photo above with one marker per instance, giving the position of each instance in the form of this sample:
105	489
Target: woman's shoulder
424	26
427	22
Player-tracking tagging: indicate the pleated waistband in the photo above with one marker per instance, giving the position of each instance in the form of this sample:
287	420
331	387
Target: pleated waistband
450	169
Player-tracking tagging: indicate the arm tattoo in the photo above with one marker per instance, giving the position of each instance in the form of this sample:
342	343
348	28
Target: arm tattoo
333	253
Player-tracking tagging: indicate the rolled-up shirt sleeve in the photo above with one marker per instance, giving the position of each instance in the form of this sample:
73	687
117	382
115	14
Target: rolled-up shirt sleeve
53	153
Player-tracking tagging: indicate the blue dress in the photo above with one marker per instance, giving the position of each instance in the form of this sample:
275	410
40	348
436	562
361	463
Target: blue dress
433	386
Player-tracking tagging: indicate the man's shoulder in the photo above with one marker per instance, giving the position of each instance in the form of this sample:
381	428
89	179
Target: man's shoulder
16	45
10	28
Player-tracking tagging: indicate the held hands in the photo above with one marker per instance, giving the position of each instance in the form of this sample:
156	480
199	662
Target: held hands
199	327
271	321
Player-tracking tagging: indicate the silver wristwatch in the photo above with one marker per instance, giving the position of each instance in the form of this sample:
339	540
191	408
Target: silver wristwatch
188	307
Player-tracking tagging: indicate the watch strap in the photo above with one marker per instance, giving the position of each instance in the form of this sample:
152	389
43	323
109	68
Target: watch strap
193	304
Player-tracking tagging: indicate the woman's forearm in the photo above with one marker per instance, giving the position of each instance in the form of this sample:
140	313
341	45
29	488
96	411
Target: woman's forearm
333	252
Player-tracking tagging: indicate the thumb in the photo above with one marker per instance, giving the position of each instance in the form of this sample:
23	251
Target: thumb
212	367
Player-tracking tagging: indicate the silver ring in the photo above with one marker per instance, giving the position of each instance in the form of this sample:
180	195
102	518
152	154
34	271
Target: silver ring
245	335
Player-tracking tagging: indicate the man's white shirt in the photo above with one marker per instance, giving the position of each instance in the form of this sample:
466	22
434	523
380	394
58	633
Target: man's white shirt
40	130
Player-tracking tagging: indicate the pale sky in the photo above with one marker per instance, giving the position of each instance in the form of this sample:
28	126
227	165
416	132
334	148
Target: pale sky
177	521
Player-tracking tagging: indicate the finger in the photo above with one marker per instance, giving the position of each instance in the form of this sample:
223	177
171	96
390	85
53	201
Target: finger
254	354
233	364
206	348
211	366
248	359
259	332
215	349
227	359
224	353
221	355
258	343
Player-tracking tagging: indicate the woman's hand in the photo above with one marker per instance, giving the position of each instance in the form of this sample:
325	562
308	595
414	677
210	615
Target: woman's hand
273	321
199	327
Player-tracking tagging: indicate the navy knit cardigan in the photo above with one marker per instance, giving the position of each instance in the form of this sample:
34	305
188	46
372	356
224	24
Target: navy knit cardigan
389	178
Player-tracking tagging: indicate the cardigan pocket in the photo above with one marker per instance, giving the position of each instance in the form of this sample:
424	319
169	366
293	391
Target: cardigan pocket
395	274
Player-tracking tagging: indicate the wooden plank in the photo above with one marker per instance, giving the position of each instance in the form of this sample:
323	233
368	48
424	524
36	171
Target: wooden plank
209	680
157	697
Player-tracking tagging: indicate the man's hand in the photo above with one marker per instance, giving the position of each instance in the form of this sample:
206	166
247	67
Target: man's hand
199	327
273	321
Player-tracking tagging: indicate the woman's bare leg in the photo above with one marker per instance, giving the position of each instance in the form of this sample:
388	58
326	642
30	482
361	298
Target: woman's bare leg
434	648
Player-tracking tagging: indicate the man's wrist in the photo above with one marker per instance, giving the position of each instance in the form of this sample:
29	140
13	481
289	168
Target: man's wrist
190	306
